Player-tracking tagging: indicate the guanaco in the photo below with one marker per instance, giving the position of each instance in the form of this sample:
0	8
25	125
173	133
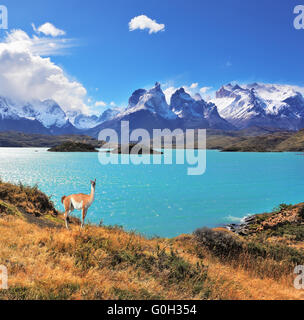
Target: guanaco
78	202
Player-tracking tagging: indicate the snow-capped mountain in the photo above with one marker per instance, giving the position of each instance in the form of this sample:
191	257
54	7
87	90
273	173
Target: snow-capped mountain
47	112
50	114
148	109
153	100
109	114
82	121
47	117
234	107
257	104
36	117
197	113
134	99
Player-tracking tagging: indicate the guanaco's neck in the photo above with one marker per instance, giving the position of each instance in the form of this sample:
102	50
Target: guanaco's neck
92	193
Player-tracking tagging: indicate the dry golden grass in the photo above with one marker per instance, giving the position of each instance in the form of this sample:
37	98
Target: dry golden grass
105	263
235	280
95	263
46	261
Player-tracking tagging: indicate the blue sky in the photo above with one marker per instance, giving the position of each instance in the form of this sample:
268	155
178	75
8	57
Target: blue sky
207	42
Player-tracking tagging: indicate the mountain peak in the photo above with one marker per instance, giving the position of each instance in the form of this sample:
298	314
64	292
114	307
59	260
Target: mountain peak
229	86
181	91
134	99
153	101
253	85
87	122
236	87
156	88
224	92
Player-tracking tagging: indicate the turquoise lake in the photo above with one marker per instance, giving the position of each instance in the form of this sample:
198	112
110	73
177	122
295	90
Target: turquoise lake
163	200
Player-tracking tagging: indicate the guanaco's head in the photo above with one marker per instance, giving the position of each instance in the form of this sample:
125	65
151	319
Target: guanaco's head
93	183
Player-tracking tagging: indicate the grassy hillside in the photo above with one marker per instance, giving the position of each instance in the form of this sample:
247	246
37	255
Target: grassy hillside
273	142
46	261
252	139
265	143
293	143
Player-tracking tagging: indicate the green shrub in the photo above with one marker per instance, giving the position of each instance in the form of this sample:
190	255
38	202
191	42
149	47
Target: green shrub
293	231
282	207
221	244
30	199
279	253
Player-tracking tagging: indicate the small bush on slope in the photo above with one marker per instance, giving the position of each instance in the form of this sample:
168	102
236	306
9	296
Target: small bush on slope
29	199
262	258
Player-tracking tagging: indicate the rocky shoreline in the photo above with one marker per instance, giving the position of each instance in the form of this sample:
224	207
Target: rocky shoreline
242	229
284	216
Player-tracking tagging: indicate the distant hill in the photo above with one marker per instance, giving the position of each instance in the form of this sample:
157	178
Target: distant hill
266	143
248	140
254	139
275	142
23	140
294	143
73	147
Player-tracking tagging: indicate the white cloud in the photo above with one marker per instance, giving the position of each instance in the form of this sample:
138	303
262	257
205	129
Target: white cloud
25	75
100	104
113	104
143	22
48	29
203	90
18	40
194	85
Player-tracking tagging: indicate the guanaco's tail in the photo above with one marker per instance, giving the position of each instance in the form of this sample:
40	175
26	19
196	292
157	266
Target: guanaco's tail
62	199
